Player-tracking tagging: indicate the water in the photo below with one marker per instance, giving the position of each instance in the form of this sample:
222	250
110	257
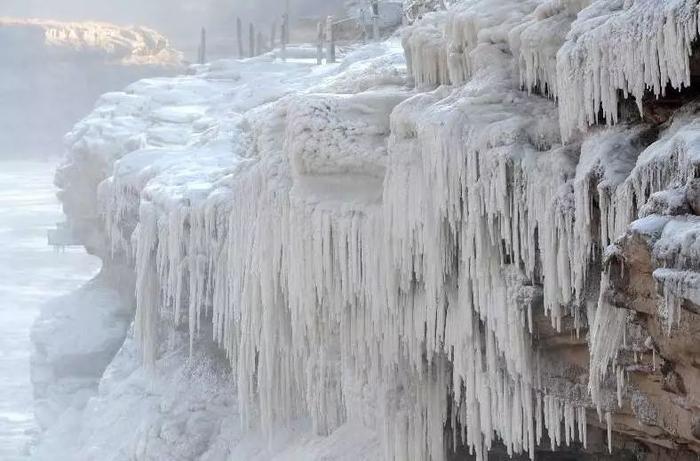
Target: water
31	273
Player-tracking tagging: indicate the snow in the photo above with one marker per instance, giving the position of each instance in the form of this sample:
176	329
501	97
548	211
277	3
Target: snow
677	249
359	249
184	410
74	339
340	134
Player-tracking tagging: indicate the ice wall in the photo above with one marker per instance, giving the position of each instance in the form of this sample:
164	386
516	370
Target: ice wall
404	257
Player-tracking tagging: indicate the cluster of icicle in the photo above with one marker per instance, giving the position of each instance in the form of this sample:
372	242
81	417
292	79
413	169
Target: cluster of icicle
412	302
642	45
592	51
584	53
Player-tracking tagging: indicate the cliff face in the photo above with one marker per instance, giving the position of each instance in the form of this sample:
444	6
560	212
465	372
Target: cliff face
472	263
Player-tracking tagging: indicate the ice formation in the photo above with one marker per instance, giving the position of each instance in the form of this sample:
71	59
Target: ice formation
627	48
354	245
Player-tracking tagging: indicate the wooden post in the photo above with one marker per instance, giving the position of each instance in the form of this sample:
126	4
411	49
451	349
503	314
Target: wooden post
287	16
319	44
273	35
239	33
330	36
251	40
284	35
260	46
202	52
375	19
363	23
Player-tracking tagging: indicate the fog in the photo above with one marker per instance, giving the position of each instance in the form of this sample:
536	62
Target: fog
180	20
45	92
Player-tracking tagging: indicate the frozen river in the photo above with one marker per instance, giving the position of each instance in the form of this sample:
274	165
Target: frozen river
30	274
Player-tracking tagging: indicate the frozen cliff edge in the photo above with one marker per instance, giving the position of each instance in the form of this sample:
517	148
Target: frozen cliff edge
468	265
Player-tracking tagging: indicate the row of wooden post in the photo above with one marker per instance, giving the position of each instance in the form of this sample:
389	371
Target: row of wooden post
256	42
257	45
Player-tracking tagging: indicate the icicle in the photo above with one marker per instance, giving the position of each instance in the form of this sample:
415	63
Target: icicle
608	423
620	381
606	337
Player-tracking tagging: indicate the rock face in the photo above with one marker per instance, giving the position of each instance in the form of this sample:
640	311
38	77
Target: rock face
465	268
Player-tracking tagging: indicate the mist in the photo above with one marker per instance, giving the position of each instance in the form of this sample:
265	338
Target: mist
179	20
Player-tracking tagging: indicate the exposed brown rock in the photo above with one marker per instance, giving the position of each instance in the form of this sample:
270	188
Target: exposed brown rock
672	381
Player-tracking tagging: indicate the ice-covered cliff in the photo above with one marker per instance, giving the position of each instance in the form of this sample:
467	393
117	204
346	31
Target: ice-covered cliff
52	72
486	241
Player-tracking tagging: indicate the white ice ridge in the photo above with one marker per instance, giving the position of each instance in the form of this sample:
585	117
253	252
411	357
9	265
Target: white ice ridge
586	54
606	338
354	245
623	48
617	49
126	45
